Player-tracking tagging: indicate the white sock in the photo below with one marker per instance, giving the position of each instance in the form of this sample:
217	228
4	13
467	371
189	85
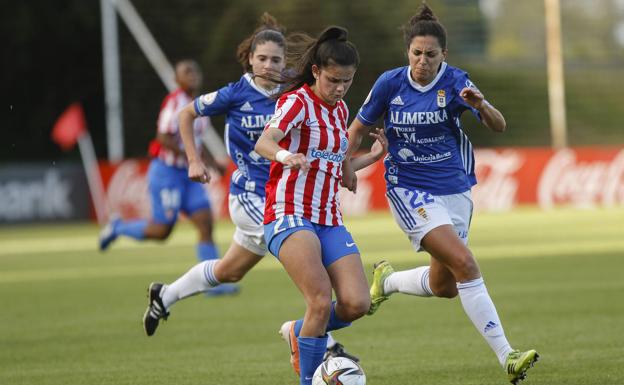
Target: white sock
197	280
481	311
413	282
330	340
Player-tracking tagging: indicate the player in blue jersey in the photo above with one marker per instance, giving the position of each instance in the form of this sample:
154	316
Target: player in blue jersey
170	190
429	175
248	105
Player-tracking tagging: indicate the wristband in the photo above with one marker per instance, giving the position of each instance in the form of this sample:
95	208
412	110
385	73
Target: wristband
281	155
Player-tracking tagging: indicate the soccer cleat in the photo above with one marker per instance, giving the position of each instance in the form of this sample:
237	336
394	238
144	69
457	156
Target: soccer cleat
287	331
155	309
108	234
223	289
338	350
518	363
381	272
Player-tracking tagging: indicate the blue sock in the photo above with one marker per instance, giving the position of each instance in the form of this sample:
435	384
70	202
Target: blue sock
334	322
311	351
132	229
207	251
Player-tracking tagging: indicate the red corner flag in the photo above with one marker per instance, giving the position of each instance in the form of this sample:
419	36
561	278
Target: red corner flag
70	126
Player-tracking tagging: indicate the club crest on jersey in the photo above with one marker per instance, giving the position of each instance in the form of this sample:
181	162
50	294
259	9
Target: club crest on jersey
441	98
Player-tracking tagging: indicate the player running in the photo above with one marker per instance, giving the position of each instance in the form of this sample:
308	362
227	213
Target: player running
429	175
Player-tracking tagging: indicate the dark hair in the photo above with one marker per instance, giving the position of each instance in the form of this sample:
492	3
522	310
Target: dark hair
330	48
424	24
268	30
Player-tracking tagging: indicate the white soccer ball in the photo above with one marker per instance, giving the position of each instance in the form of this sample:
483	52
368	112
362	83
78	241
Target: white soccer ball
339	370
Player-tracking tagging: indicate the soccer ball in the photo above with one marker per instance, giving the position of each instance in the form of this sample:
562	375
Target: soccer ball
339	371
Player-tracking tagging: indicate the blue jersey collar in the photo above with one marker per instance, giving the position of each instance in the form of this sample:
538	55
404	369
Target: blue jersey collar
429	86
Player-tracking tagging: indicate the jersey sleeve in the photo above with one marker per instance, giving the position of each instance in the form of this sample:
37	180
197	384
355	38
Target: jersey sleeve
462	82
289	113
214	103
167	122
376	102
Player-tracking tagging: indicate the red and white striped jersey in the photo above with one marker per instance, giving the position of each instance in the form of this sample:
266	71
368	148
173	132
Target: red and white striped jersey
168	124
319	131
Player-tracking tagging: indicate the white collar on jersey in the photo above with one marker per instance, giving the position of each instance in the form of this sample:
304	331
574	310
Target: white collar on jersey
429	86
267	93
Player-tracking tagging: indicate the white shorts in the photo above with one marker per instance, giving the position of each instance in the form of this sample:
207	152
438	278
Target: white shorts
247	213
418	212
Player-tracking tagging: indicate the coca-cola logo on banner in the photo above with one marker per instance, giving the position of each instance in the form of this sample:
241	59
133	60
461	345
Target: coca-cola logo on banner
591	183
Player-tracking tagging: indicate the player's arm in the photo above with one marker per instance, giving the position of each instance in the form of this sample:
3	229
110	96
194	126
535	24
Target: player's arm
490	116
377	151
197	170
268	147
357	130
168	141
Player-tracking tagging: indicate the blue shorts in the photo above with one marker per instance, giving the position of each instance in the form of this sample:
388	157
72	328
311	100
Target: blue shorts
171	191
336	241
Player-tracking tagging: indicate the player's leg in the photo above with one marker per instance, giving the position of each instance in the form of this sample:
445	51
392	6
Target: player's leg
416	213
447	245
196	204
300	255
165	194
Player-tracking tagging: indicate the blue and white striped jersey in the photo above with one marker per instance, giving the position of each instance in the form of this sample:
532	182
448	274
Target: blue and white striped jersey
247	109
428	150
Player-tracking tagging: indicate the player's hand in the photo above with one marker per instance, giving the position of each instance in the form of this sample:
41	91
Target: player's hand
380	146
349	178
297	161
473	96
198	172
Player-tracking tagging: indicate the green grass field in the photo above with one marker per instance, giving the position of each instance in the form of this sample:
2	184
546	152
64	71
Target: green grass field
70	315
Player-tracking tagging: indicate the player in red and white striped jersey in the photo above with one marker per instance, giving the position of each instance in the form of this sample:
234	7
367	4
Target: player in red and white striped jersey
307	141
171	191
321	135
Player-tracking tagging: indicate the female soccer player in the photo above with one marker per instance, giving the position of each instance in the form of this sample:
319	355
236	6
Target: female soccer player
170	190
429	175
248	105
307	141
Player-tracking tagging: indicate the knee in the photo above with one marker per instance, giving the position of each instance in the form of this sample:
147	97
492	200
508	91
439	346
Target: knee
445	290
465	267
320	305
162	232
230	276
355	308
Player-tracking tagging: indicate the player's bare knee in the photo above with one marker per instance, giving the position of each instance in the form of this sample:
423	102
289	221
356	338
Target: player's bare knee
356	308
445	291
465	267
320	304
161	232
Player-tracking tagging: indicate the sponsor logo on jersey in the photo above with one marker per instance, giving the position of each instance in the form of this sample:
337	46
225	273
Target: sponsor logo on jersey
441	98
254	121
414	118
397	101
327	155
246	107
